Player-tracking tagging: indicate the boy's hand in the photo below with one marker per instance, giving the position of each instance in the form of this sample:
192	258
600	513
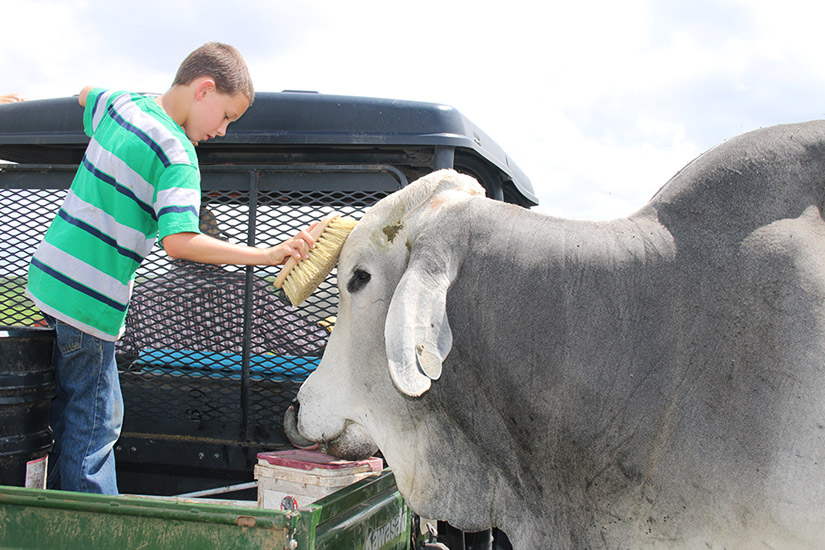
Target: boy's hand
84	93
11	98
297	246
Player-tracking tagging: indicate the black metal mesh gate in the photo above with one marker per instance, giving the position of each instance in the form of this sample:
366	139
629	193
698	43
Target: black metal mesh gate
212	355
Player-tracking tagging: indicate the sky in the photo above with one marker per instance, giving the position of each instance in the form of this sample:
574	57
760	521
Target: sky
599	102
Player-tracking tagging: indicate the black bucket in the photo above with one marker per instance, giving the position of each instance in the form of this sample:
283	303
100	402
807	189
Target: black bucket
27	386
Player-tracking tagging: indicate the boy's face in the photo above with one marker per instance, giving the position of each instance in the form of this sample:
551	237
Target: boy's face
212	112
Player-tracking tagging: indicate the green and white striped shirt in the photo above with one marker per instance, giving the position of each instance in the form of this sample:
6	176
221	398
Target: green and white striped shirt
138	182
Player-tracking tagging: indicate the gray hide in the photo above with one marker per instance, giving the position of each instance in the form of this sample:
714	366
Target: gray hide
650	382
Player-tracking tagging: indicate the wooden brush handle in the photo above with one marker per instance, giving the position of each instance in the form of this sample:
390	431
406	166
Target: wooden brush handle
291	261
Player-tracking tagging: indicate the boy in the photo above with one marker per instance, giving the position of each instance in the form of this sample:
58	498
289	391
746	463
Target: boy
138	182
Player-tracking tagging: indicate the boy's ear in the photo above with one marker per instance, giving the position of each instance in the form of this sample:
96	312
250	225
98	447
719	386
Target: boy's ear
204	87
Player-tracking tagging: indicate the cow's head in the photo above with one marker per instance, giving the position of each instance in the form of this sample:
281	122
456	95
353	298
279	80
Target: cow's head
392	333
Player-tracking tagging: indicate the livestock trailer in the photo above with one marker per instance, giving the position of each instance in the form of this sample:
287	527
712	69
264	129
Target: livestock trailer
213	355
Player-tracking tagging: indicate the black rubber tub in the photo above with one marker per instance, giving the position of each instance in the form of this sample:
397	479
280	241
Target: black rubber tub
27	386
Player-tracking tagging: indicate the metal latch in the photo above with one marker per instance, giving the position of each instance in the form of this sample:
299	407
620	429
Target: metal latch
433	543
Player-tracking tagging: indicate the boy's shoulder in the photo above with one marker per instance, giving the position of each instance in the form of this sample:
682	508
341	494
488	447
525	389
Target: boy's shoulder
139	113
128	104
95	98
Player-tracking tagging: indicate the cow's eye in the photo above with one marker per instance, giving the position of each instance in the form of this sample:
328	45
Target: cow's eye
359	280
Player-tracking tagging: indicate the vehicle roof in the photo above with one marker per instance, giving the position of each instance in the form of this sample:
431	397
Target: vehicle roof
51	131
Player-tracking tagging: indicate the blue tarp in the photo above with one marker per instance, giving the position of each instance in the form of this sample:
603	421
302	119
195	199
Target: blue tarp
227	365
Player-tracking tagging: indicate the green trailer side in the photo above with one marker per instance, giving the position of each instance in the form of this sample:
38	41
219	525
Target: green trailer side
368	515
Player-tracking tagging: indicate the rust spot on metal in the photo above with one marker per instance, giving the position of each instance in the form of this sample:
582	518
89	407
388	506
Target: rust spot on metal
246	521
391	231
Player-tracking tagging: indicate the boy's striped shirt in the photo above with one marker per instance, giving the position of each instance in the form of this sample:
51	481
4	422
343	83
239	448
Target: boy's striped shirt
137	182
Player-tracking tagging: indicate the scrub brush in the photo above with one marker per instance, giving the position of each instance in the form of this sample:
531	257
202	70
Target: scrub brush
300	279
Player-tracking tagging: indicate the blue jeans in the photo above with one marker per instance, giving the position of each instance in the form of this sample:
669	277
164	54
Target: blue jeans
87	413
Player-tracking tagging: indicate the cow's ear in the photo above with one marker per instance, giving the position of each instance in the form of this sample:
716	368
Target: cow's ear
417	333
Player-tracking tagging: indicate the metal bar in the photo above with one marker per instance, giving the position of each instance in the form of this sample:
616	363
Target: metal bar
369	177
247	315
444	157
220	490
37	176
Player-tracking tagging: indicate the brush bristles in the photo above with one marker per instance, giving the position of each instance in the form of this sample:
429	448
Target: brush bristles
305	277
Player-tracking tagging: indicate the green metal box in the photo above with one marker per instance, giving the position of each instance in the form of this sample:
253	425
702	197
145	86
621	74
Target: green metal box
368	515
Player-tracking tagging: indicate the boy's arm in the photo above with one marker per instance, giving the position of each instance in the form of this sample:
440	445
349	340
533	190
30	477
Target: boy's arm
198	247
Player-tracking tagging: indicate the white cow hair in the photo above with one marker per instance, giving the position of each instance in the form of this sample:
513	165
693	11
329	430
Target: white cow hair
417	333
396	207
430	185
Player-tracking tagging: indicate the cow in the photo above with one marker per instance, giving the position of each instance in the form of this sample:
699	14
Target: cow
655	381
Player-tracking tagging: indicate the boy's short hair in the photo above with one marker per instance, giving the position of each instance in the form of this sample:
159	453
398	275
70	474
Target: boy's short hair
223	64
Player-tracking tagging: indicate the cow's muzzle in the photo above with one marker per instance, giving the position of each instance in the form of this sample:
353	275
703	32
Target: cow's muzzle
351	444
